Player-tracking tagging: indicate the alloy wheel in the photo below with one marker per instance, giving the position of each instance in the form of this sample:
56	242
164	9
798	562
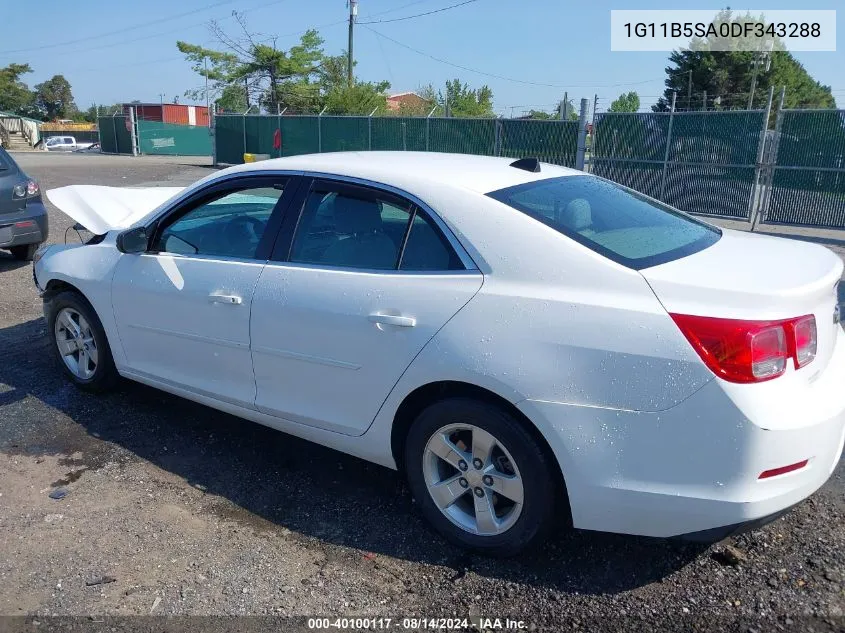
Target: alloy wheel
473	479
76	343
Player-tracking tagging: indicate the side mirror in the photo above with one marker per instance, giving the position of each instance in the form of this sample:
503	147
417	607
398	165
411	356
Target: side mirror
133	241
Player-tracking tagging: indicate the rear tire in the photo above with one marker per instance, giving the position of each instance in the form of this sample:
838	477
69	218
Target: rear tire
24	253
79	344
498	506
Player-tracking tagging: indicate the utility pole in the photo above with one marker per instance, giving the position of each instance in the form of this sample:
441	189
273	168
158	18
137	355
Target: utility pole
353	13
205	63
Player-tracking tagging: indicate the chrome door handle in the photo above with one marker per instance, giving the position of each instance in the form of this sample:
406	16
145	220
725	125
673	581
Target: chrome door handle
232	300
392	319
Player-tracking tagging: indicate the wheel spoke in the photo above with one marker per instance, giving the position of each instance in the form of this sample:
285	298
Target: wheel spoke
84	328
446	450
67	346
84	372
508	486
92	350
446	492
482	445
68	323
485	516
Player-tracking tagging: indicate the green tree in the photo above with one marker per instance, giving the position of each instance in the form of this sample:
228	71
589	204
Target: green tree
542	115
460	100
626	102
271	77
54	98
360	98
729	74
232	99
15	95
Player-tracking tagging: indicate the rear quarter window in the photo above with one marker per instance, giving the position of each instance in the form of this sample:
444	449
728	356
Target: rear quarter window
620	224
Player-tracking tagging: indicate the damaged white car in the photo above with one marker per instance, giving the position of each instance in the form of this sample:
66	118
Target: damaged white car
527	342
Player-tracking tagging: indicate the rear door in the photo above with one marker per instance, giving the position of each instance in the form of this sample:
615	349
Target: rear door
359	285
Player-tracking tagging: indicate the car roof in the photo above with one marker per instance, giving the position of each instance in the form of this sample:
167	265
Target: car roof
481	174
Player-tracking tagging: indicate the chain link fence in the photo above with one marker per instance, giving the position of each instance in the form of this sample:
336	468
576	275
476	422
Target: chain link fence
152	137
805	183
551	141
701	162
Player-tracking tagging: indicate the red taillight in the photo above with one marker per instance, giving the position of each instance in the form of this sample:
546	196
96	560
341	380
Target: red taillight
31	188
749	351
806	340
774	472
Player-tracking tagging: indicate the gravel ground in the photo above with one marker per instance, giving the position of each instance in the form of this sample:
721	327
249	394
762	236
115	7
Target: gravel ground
174	508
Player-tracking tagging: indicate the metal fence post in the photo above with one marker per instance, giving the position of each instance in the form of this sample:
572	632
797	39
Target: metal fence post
756	192
582	135
427	125
114	130
370	129
668	146
132	135
320	130
497	142
770	175
212	133
243	125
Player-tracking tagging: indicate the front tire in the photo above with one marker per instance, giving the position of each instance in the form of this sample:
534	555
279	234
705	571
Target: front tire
24	253
79	342
480	477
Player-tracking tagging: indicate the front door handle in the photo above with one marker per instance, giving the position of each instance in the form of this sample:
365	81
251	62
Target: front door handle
392	319
232	300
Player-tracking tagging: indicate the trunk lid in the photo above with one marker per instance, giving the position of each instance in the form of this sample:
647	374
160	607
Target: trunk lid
755	277
102	209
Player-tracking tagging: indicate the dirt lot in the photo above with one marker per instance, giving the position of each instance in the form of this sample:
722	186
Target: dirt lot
174	508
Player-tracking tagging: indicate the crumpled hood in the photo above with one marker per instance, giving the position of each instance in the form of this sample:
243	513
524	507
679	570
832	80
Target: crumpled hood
102	209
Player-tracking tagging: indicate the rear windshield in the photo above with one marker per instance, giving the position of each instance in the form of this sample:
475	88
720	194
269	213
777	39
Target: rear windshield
619	223
5	159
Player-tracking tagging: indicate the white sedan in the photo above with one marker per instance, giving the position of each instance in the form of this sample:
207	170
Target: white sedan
526	342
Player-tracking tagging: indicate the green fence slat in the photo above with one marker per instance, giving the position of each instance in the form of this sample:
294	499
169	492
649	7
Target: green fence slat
551	141
155	137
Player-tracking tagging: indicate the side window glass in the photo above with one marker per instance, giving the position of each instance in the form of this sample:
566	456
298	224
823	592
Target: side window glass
230	225
342	229
427	249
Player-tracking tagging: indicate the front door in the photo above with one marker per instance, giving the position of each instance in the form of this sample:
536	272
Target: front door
183	307
368	280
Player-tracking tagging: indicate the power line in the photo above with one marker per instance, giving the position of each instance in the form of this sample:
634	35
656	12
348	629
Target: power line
419	15
180	29
502	77
124	30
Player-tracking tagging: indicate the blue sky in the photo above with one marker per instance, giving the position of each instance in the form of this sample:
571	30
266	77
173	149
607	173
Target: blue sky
563	44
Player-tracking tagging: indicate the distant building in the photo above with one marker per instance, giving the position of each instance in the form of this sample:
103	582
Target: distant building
410	99
169	113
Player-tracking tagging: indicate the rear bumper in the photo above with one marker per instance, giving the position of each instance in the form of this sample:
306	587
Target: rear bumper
692	470
26	227
714	535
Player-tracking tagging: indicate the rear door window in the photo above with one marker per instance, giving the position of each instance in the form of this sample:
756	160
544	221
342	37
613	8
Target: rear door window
621	224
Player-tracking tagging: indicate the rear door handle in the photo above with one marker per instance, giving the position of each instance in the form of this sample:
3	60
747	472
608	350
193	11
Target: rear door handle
232	300
392	319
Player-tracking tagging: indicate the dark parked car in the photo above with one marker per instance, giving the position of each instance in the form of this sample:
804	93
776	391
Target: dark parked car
23	218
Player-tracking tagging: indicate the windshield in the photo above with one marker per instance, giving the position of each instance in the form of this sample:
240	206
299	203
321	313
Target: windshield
5	160
619	223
